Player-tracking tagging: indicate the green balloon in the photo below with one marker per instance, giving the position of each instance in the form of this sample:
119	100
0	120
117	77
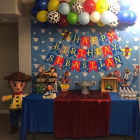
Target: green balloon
70	3
72	18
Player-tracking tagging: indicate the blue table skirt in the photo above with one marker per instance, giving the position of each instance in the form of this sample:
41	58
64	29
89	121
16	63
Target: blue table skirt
37	116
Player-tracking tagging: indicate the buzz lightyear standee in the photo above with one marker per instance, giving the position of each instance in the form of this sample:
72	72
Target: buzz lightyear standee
17	81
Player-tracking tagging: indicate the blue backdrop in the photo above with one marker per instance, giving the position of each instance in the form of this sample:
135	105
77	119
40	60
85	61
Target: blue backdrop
43	35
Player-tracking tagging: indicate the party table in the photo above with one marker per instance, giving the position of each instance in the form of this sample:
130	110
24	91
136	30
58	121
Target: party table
77	115
38	115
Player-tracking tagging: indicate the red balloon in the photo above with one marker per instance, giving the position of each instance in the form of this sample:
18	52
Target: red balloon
89	6
62	1
63	21
91	23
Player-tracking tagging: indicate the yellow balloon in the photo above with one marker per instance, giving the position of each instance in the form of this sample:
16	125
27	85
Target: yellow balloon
101	6
99	23
53	5
42	16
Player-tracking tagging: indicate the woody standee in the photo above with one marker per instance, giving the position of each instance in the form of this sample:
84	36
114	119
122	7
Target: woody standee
17	81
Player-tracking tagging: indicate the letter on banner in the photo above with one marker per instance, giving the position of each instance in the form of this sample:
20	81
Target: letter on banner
109	63
59	61
115	47
90	53
76	39
85	41
102	38
84	66
65	50
56	47
107	50
81	53
67	64
75	65
112	35
98	52
118	60
73	52
93	66
94	41
101	65
50	58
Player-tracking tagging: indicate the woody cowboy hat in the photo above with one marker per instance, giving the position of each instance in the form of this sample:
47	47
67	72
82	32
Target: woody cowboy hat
17	76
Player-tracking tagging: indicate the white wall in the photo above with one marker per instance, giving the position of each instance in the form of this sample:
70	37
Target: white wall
25	49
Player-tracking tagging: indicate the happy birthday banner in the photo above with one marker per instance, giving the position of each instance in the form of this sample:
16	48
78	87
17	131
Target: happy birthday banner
80	66
90	41
85	53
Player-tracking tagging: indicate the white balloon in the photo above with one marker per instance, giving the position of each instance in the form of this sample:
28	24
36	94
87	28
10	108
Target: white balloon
107	17
95	16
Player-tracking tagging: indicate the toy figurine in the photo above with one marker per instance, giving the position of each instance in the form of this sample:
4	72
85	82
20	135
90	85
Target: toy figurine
118	75
55	87
108	87
49	88
127	72
135	74
41	73
65	78
110	74
17	81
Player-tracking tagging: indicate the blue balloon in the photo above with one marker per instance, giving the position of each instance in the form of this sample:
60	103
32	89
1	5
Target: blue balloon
64	8
124	16
41	4
124	4
133	17
84	18
34	11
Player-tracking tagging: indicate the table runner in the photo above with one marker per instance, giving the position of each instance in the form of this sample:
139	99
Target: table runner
77	115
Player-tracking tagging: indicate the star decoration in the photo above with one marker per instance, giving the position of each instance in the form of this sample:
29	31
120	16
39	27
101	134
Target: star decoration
66	35
127	51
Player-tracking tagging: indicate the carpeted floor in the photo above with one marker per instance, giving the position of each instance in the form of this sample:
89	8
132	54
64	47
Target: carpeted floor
5	126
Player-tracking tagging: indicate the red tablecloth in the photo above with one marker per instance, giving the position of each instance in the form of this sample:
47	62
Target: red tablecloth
77	115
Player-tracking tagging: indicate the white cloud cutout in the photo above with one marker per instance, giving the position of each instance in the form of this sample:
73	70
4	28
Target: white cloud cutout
135	47
35	48
35	39
35	73
127	30
43	42
83	33
60	76
43	50
69	73
93	76
51	39
134	59
50	47
76	30
36	65
34	59
35	21
60	42
43	30
93	30
100	33
50	33
34	33
127	41
119	65
117	33
135	39
134	32
85	74
43	56
119	39
76	76
110	68
59	30
134	86
101	73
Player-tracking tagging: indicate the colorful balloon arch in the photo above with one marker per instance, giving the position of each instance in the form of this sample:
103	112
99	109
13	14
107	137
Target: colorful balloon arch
104	12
